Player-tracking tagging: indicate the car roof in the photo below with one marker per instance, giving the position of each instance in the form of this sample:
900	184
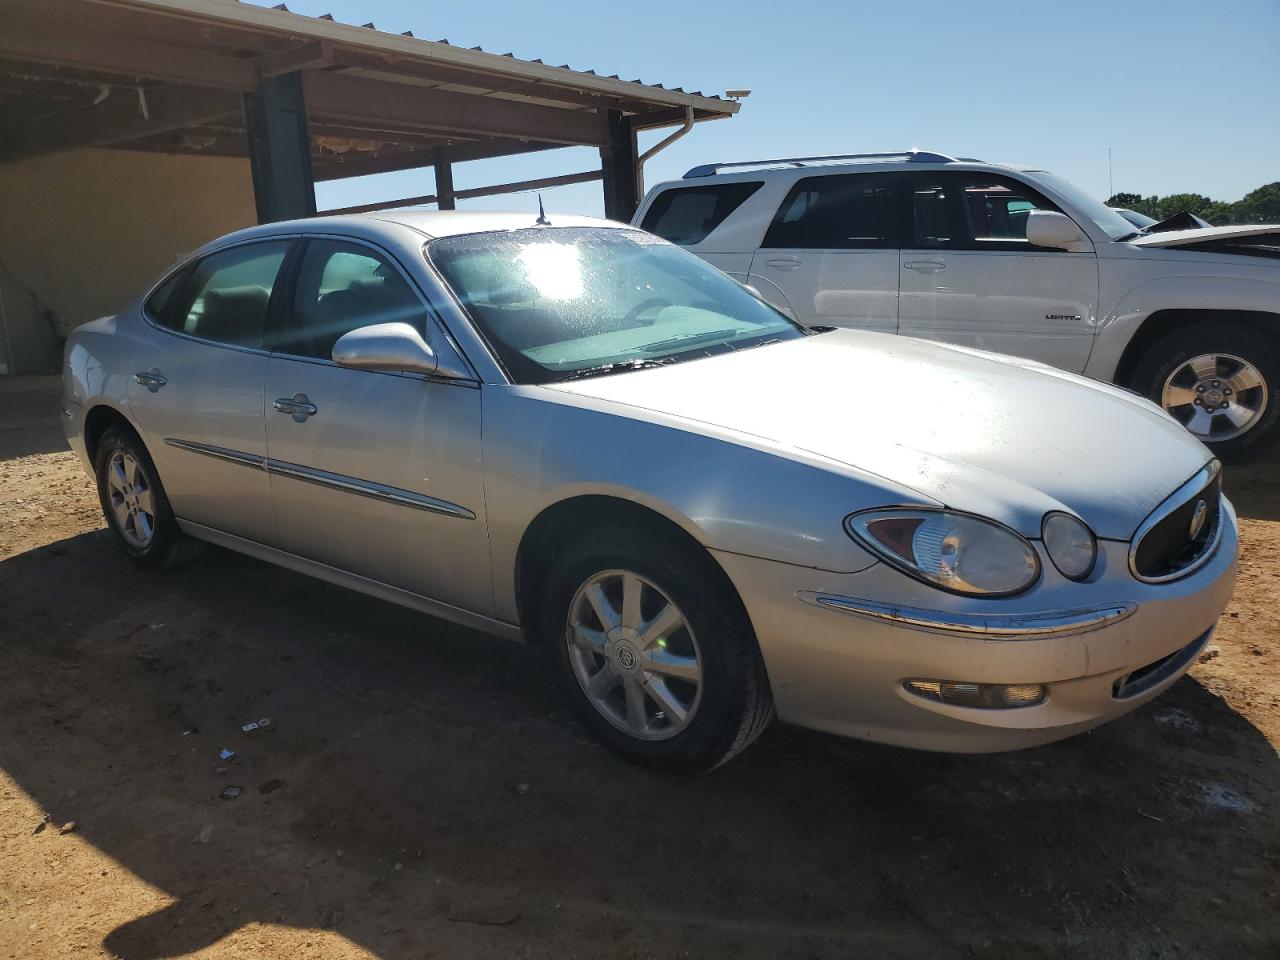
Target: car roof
819	166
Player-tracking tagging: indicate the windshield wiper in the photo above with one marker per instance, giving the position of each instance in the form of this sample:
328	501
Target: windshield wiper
620	366
687	338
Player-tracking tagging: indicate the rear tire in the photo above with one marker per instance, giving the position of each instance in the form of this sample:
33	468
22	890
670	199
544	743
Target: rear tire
1221	380
135	506
684	623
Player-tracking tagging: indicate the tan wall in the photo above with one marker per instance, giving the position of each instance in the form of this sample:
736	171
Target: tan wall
85	230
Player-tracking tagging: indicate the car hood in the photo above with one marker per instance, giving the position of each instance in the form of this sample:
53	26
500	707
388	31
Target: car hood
1180	238
1006	438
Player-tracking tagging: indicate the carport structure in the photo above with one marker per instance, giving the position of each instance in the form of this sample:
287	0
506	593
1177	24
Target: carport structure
294	100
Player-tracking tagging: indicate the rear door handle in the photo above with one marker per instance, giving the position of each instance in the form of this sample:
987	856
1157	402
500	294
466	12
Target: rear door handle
298	406
925	266
151	379
784	263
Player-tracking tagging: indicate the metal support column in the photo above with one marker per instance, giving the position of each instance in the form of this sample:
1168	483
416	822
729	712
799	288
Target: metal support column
444	181
280	149
620	167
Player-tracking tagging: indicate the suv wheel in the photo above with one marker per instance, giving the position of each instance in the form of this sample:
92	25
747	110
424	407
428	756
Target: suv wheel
1221	381
654	655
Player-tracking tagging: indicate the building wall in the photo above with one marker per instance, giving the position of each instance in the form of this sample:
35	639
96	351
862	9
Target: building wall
86	230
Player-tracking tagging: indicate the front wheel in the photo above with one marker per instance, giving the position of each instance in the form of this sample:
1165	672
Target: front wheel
134	503
653	651
1221	381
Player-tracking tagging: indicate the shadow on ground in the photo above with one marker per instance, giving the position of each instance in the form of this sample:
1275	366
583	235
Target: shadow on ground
384	801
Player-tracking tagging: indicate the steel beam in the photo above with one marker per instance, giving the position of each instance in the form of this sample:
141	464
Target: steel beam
280	149
444	181
621	169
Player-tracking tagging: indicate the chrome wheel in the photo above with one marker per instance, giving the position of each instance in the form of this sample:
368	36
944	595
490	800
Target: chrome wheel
634	654
131	499
1217	396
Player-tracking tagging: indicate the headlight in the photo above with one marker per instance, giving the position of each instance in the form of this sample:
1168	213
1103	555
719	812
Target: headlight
954	551
1070	545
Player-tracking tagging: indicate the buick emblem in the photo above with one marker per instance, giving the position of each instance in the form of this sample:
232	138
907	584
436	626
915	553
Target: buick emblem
1198	517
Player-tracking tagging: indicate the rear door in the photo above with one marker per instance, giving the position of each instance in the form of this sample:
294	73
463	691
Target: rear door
196	388
969	276
377	474
830	255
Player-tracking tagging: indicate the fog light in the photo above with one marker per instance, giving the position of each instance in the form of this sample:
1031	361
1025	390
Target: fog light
988	696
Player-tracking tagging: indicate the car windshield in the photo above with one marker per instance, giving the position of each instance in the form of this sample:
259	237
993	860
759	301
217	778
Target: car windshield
561	302
1109	222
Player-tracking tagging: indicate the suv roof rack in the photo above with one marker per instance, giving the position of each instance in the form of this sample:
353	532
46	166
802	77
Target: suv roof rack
910	156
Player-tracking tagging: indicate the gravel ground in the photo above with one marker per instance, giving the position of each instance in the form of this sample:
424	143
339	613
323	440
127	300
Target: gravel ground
420	792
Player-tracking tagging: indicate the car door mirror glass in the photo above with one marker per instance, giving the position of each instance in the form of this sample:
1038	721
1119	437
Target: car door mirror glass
1046	228
385	347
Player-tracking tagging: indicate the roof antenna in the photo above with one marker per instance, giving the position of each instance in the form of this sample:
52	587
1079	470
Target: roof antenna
542	220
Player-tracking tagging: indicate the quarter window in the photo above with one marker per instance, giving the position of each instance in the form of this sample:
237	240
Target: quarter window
227	294
342	287
686	215
837	213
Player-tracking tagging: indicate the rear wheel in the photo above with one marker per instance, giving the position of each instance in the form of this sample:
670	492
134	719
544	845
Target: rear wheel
653	651
1221	381
134	503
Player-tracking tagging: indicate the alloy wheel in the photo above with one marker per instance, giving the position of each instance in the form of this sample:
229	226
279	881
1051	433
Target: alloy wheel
1217	396
634	655
132	499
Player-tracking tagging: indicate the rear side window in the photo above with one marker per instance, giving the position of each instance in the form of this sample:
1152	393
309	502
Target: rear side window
158	303
342	287
686	215
226	295
854	212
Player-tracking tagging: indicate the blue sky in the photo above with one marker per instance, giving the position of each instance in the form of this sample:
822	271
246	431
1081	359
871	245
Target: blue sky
1185	93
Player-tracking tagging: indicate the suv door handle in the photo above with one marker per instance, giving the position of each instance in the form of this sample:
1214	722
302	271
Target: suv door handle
297	406
925	266
151	379
784	263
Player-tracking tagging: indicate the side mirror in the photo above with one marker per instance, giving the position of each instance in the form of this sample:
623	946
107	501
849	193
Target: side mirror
387	347
1046	228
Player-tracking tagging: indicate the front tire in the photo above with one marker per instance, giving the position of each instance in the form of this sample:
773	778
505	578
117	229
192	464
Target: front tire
135	506
653	650
1221	380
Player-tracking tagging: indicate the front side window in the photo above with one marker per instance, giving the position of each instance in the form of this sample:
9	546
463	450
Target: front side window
685	215
996	210
226	295
837	213
342	287
561	302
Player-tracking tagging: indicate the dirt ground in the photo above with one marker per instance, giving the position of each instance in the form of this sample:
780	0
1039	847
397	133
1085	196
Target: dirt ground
421	793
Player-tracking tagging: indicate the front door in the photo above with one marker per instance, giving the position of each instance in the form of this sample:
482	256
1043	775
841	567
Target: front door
376	474
196	388
830	257
969	276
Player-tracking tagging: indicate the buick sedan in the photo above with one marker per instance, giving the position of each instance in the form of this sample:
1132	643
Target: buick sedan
577	434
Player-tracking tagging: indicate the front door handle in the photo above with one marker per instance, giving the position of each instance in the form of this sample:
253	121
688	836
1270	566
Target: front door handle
297	406
151	379
784	263
925	266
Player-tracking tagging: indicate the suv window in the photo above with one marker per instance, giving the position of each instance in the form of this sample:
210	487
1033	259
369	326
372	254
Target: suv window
995	212
226	295
931	221
686	215
342	287
837	213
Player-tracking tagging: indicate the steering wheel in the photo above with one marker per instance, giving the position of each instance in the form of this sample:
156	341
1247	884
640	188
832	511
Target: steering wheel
634	313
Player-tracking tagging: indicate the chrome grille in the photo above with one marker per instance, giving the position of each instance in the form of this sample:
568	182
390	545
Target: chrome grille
1181	533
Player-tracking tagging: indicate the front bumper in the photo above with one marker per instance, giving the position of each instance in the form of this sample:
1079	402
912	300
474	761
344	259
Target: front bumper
838	647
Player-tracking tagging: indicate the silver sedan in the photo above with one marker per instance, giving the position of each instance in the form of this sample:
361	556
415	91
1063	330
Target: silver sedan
580	435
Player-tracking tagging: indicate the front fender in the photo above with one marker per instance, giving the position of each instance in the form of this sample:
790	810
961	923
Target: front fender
730	496
1201	291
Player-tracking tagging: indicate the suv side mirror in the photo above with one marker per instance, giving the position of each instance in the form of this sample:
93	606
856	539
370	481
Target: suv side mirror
1047	228
387	347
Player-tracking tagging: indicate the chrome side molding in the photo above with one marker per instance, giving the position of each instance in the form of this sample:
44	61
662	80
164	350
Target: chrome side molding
997	626
335	481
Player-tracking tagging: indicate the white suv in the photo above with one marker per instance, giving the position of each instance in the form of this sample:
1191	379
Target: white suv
1003	258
